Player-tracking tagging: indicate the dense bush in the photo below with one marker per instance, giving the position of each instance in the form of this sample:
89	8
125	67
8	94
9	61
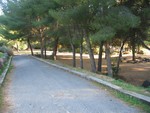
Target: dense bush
3	42
7	50
1	54
1	60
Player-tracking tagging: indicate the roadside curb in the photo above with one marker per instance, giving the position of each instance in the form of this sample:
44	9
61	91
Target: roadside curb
2	77
100	81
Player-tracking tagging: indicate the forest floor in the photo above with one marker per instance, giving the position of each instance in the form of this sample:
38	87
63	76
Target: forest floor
134	73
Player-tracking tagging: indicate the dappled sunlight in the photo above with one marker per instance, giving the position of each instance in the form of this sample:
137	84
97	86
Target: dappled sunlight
132	73
141	69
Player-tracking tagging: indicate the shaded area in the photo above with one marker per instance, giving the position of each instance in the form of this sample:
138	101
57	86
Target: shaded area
135	74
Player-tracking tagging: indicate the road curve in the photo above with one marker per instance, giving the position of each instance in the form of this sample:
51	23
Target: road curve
36	87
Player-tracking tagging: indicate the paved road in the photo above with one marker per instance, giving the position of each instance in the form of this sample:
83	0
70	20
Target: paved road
36	87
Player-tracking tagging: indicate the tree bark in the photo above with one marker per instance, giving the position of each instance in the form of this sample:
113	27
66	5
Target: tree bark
108	59
45	49
99	68
120	54
73	48
74	55
144	44
90	51
81	52
42	47
31	49
55	48
133	48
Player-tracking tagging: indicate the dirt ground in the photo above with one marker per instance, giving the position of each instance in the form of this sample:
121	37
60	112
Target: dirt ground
132	73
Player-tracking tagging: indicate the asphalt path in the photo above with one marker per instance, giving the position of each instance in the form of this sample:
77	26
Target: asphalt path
36	87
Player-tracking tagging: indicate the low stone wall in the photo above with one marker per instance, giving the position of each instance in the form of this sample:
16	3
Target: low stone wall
2	76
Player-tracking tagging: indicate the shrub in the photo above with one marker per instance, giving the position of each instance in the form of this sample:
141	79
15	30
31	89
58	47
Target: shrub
1	63
1	54
7	50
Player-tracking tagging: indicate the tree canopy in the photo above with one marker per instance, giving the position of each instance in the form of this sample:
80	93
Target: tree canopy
72	22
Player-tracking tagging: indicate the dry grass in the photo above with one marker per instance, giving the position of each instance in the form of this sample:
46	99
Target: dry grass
131	73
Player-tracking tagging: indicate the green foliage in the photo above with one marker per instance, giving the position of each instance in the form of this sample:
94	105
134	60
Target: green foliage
7	50
3	42
1	54
107	18
122	19
106	33
131	87
73	20
133	101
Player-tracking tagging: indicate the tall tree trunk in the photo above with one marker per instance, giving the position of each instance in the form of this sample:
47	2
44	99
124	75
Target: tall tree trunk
45	55
80	35
73	47
74	55
99	68
42	47
133	48
81	52
120	55
31	49
55	48
108	59
28	47
90	51
17	47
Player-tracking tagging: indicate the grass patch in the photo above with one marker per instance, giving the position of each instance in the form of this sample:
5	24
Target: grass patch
2	103
1	98
1	54
4	66
2	86
132	101
130	87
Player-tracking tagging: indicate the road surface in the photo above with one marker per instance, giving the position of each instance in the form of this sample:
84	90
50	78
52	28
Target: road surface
36	87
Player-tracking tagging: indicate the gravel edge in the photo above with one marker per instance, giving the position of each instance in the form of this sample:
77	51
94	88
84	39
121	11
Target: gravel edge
141	97
2	77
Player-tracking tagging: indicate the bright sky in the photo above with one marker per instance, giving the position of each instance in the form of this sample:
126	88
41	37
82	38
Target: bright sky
1	12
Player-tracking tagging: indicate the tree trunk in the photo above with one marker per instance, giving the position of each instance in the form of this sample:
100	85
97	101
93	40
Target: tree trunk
138	48
81	52
133	48
31	49
42	47
45	48
17	47
108	59
55	48
45	55
144	44
74	55
120	55
90	51
99	68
